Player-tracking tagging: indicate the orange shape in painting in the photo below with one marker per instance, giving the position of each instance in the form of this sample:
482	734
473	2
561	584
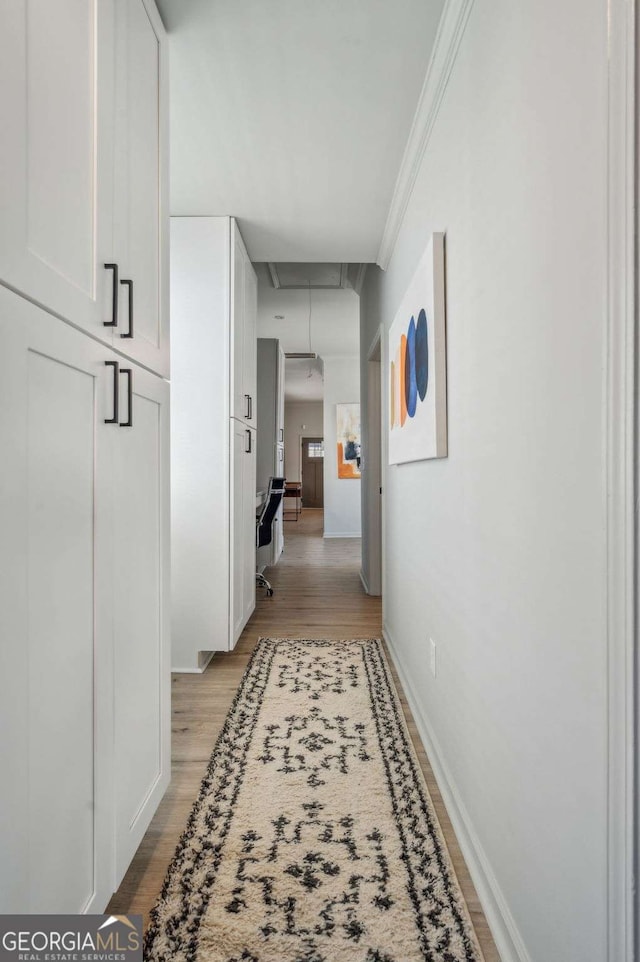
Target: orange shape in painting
401	378
392	394
346	469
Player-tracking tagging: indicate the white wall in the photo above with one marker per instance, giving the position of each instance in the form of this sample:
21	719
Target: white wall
498	552
341	496
297	414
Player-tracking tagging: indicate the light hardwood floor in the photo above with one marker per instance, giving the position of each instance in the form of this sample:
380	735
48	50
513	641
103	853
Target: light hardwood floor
318	594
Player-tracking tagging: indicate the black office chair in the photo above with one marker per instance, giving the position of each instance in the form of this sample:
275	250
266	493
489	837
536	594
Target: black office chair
264	523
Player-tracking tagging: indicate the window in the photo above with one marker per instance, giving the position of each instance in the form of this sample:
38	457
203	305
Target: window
316	449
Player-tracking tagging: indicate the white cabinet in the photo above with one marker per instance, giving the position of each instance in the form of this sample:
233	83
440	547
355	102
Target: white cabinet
84	673
243	319
83	167
213	466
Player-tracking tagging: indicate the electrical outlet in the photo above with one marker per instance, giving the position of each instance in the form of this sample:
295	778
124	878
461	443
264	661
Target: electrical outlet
432	645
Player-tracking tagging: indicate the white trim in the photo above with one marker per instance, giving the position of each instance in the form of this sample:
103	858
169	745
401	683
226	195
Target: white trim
342	534
362	270
450	30
619	431
273	271
503	927
364	582
376	344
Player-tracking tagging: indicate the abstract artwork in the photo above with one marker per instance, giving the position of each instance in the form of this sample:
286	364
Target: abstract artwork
349	451
418	364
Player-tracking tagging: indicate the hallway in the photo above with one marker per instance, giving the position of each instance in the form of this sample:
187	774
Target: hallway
318	594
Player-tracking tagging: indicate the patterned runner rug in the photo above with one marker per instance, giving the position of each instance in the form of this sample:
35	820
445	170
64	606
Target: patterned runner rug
313	838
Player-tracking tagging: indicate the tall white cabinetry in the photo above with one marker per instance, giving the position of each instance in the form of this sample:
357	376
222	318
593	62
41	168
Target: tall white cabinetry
213	427
271	373
84	431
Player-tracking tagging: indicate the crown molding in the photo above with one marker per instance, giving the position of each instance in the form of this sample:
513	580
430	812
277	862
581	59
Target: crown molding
450	30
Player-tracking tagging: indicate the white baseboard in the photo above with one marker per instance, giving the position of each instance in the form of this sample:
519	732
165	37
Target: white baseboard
342	534
194	671
364	581
503	927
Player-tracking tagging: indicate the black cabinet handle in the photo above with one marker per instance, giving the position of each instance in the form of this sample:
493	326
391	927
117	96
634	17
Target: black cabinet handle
250	408
247	450
114	309
129	284
129	373
116	371
248	400
282	434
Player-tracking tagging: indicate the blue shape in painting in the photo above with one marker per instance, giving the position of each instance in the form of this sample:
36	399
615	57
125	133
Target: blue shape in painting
421	356
410	386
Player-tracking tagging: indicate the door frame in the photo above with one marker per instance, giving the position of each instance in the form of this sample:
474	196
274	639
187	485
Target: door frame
374	466
621	484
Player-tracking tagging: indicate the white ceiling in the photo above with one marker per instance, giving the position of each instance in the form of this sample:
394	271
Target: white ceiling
304	380
293	115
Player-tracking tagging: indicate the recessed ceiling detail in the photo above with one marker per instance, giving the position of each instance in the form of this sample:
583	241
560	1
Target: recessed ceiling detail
301	276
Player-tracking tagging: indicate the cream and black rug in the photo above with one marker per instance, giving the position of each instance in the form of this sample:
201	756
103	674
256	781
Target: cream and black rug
314	838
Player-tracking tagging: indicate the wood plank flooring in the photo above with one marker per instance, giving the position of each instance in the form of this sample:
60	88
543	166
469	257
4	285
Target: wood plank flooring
318	594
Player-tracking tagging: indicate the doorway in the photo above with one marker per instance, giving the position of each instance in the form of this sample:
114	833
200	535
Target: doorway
313	472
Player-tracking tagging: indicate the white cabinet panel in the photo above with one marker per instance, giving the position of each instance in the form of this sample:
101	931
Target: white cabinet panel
243	528
248	486
56	162
244	311
54	616
241	399
280	401
240	439
140	235
60	498
141	642
249	347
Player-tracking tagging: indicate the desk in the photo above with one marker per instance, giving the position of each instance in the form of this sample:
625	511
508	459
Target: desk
293	489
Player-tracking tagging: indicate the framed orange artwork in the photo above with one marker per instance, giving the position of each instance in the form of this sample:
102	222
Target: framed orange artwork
349	443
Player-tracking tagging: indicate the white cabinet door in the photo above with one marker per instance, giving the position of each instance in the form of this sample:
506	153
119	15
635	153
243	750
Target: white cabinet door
141	208
250	343
244	315
140	606
242	562
242	401
280	399
56	160
55	622
249	529
239	441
